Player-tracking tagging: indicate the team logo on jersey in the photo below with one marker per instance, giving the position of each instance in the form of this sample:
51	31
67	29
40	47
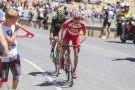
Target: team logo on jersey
75	25
73	31
58	25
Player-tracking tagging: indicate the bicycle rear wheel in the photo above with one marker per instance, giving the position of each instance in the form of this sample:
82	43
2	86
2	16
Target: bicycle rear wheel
57	58
68	70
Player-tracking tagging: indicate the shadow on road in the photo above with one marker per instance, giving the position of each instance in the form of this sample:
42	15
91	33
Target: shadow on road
49	73
57	82
128	59
36	73
46	83
119	42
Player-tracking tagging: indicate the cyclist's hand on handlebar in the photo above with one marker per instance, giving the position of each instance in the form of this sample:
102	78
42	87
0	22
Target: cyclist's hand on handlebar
50	37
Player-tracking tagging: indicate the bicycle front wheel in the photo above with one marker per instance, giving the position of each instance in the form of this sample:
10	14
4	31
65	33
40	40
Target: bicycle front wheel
57	58
68	70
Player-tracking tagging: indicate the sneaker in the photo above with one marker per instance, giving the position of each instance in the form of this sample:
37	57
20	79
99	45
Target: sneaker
74	75
62	64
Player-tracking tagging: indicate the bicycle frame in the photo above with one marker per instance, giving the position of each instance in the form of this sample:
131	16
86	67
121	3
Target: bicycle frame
68	66
55	57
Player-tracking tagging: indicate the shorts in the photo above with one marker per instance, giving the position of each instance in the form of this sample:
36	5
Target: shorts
40	18
75	40
55	33
15	67
106	23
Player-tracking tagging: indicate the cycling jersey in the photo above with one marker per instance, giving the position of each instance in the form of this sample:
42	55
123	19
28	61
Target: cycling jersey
56	24
73	31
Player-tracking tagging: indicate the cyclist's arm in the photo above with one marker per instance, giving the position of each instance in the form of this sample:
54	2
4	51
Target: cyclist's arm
64	26
84	36
59	34
52	28
51	31
85	32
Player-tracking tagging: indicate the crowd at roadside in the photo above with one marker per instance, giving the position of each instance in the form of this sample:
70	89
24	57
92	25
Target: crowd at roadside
43	11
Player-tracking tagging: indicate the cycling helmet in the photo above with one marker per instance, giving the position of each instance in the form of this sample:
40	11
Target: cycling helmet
76	14
60	12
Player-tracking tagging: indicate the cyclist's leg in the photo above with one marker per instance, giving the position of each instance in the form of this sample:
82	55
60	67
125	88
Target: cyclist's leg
66	40
55	34
76	53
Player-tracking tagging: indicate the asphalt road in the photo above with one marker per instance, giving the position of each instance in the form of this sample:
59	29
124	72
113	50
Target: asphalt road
104	64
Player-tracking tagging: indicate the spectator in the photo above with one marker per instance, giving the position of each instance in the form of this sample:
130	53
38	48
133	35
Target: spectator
25	4
40	17
46	16
30	16
1	13
8	4
3	45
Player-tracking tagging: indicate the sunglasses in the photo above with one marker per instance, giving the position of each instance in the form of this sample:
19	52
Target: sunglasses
76	18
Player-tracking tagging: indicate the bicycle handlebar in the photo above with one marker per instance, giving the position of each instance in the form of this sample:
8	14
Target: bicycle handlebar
69	45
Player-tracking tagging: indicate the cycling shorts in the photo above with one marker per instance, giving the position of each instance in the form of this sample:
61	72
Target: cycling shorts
75	40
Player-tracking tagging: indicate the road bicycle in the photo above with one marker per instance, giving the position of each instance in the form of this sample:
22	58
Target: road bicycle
68	66
55	56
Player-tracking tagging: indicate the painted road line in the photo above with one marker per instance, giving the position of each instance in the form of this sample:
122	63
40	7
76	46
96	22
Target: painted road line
41	70
97	48
107	50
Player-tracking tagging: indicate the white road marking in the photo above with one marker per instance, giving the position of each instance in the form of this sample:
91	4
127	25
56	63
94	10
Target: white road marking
41	70
96	48
107	50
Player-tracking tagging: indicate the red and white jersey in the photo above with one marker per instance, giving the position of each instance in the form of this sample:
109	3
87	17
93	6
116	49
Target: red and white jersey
73	30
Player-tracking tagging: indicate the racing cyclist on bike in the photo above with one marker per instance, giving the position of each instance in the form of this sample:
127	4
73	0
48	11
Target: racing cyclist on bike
72	28
57	22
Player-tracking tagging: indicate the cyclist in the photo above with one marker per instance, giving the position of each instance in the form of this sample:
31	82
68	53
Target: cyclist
72	28
57	22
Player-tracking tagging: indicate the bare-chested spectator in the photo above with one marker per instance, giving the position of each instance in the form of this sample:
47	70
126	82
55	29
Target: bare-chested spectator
26	2
8	4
